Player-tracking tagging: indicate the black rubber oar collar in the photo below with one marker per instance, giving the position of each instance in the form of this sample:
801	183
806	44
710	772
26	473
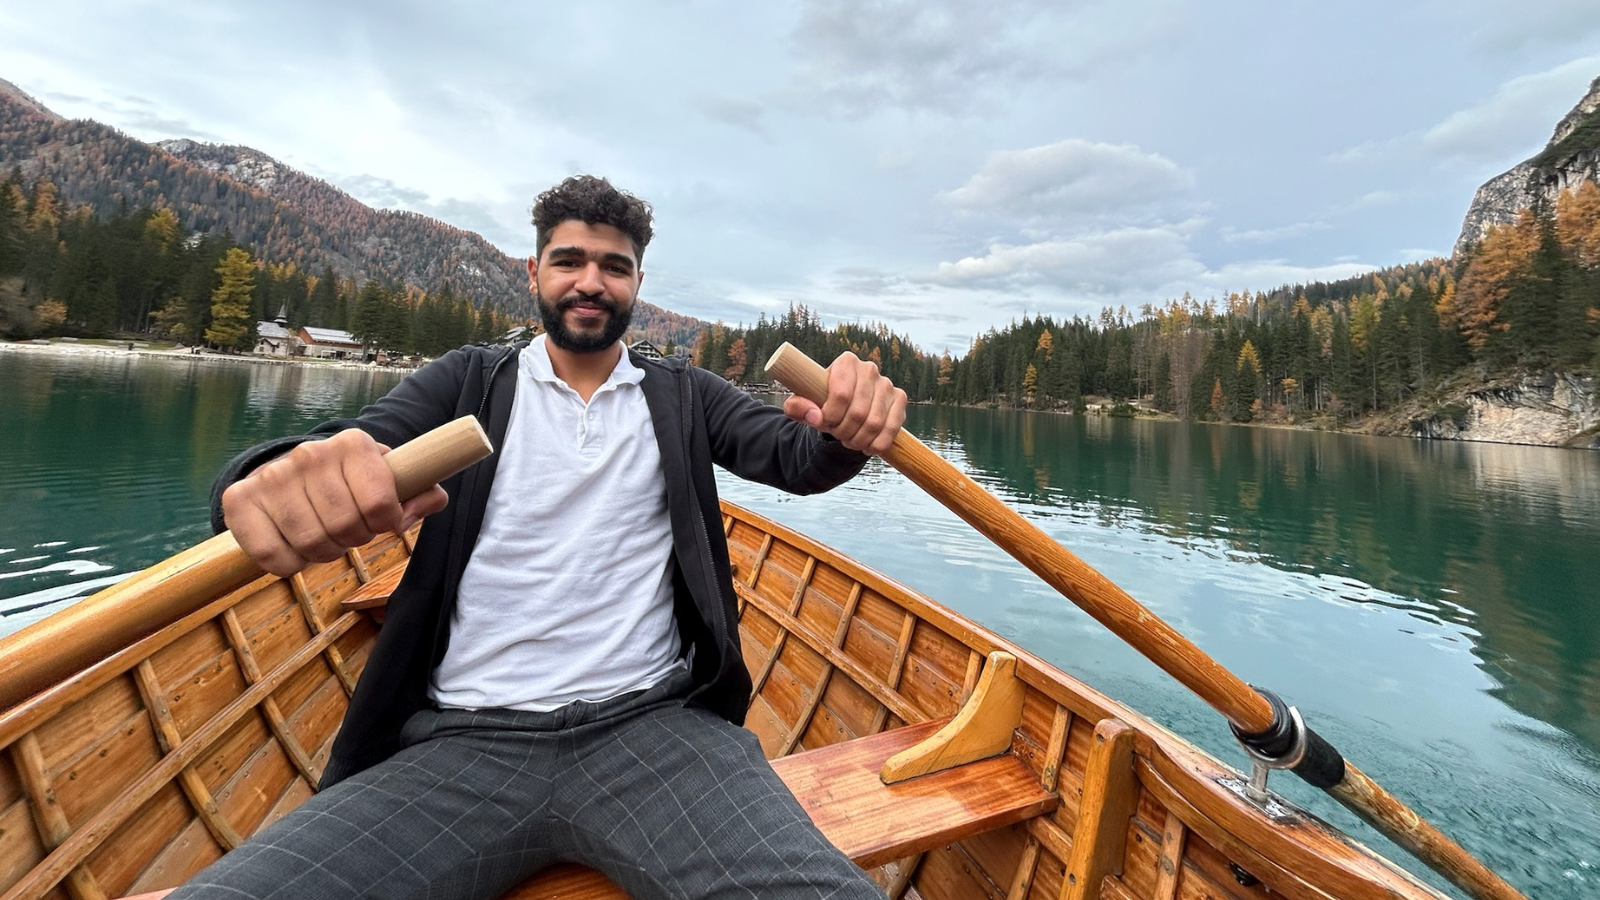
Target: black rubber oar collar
1289	744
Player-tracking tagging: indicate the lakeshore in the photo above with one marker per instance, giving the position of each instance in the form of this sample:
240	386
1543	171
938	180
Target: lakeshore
1532	409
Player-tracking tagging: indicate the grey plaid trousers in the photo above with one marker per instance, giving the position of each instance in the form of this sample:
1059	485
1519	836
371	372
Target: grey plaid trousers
667	801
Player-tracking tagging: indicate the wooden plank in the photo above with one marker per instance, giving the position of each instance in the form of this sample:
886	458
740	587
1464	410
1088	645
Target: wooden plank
897	666
903	871
269	704
875	823
82	727
566	881
1171	860
67	858
803	721
374	593
314	618
189	781
1109	795
21	846
53	824
850	667
1023	880
358	564
760	679
1056	751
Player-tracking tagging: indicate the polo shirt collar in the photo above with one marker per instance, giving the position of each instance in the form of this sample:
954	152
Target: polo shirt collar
538	365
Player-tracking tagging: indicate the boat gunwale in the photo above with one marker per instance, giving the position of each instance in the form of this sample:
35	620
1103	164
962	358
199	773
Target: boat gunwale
1177	761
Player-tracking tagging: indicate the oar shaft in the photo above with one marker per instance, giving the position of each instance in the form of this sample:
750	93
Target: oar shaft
1160	643
1401	824
1059	567
89	630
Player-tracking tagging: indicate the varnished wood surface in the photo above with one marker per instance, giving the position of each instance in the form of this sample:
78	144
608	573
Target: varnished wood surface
142	768
982	729
876	823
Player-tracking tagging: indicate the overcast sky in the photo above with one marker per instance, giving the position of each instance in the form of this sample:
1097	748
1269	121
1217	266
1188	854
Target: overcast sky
942	166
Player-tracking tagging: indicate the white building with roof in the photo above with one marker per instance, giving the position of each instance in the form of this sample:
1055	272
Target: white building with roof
330	343
275	339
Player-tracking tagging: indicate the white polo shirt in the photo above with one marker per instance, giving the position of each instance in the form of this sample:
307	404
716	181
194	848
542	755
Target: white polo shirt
568	592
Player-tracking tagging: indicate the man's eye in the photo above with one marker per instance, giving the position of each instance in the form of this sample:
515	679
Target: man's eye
617	270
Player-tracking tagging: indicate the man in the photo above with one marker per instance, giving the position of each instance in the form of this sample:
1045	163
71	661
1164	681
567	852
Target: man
559	676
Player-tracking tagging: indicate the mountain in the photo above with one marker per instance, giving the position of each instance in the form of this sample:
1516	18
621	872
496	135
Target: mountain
1571	157
284	214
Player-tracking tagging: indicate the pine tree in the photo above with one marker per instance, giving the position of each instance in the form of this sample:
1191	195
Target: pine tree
1247	373
230	302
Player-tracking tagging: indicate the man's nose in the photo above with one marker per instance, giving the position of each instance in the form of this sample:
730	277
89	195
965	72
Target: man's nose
589	279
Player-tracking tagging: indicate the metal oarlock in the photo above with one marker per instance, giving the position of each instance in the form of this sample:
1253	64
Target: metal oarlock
1282	746
1261	763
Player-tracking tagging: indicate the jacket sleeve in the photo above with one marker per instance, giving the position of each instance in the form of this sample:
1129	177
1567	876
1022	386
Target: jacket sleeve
759	443
423	400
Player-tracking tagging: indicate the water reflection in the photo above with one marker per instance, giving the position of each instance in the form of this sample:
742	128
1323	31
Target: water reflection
107	460
1498	540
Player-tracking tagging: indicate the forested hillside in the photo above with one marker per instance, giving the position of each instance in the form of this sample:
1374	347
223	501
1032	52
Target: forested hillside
283	215
136	272
1526	297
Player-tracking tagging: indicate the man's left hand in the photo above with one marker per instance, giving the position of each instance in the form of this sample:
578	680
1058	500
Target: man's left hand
864	410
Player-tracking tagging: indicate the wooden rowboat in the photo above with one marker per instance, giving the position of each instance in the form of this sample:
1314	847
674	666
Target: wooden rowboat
132	773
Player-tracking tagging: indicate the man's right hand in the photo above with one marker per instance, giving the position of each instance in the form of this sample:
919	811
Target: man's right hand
319	500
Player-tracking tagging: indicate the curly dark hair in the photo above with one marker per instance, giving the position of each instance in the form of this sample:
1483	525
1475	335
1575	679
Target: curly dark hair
593	200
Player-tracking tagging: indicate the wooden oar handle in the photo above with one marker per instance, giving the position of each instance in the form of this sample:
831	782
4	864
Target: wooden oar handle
799	373
1159	642
430	458
50	650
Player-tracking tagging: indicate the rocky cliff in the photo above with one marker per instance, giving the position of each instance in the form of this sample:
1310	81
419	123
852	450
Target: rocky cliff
1556	409
1571	157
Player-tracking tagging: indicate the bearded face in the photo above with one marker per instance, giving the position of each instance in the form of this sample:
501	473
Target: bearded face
583	324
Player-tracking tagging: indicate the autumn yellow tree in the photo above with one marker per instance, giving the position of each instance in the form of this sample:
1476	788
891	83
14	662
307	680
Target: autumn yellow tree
738	356
1474	306
230	302
1247	371
1578	223
1046	345
1030	383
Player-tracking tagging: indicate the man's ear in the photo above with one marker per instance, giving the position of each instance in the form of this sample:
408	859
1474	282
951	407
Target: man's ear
533	274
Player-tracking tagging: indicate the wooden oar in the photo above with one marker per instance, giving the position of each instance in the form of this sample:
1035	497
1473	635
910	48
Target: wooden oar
1248	711
87	631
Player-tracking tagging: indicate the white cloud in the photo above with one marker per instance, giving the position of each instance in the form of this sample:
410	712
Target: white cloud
1103	263
1071	177
1272	235
950	55
1516	120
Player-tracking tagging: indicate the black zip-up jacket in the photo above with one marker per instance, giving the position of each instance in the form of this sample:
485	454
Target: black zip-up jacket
699	419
